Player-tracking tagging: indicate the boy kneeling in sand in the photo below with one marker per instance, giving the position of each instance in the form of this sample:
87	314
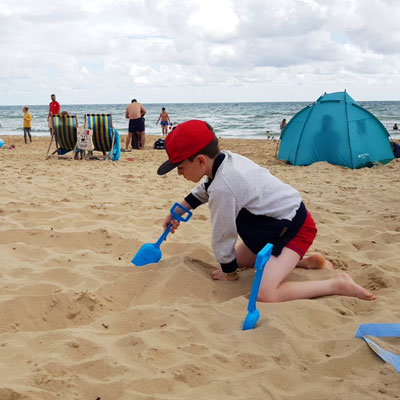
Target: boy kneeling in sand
245	199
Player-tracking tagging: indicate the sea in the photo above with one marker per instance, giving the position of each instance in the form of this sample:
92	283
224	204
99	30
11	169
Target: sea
255	120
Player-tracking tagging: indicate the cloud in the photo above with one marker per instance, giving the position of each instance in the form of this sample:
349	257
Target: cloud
207	19
281	19
165	50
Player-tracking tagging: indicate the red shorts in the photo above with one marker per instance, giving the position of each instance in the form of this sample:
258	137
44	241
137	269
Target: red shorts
304	238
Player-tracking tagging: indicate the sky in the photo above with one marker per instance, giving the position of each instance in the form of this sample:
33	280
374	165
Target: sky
166	51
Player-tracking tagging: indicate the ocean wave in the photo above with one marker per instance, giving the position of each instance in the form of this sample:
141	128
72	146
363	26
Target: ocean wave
237	120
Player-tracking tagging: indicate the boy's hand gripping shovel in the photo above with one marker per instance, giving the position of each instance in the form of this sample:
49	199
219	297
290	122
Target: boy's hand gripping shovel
150	253
252	313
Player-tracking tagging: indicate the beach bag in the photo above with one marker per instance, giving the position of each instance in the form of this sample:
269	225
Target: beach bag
159	144
85	141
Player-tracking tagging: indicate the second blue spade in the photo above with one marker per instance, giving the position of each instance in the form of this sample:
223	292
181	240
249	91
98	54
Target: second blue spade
150	253
252	313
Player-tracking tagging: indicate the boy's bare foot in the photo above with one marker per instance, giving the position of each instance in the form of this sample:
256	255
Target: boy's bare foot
343	284
314	261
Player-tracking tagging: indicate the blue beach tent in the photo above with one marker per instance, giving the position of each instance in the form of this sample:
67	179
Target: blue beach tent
336	129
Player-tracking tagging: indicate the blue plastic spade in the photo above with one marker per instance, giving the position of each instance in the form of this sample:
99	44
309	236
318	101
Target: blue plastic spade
252	313
150	253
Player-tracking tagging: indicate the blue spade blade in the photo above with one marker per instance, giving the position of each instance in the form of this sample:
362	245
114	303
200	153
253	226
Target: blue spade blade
150	253
252	313
147	254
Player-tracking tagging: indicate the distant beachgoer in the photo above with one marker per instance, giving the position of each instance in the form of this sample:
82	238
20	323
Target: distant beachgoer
64	113
283	125
395	149
27	124
136	131
54	108
165	121
395	127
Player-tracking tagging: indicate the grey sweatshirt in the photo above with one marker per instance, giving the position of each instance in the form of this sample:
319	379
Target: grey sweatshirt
238	183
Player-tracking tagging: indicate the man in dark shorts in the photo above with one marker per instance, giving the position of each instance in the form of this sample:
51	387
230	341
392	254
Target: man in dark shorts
136	132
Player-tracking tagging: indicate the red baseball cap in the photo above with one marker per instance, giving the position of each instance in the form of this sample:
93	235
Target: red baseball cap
187	139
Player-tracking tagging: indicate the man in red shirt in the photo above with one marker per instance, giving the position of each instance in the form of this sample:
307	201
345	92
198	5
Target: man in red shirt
54	108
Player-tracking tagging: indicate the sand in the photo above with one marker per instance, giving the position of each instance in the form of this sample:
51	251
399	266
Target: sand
79	321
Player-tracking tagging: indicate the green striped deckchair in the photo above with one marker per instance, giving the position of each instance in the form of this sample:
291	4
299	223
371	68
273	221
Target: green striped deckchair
64	127
103	132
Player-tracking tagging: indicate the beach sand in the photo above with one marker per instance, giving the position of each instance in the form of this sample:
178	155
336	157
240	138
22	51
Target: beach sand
79	321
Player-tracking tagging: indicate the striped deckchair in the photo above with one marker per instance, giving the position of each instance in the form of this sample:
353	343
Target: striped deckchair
64	134
105	136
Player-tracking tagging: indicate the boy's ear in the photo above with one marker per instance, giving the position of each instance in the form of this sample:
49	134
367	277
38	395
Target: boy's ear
202	159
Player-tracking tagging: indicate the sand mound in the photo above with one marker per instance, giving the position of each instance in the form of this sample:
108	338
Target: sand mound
79	321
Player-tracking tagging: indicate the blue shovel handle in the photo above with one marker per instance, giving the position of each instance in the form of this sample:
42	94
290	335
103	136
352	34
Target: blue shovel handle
262	258
177	217
163	236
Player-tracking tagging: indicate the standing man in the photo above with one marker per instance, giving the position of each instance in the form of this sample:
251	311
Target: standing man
283	124
54	108
165	121
135	112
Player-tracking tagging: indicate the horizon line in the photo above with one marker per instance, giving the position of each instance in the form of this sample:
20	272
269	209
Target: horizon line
189	102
